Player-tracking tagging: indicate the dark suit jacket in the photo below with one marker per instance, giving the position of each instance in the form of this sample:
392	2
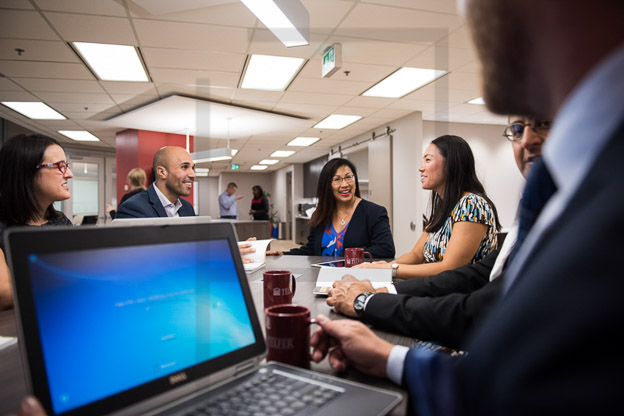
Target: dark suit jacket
369	229
440	308
552	346
146	205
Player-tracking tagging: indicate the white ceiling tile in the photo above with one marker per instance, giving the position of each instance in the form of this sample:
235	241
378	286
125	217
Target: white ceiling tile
24	24
192	78
59	85
308	110
137	88
17	96
362	101
197	60
44	70
234	13
17	4
370	73
257	95
326	14
329	86
309	98
265	43
78	98
36	50
440	6
191	36
8	85
444	58
99	7
86	28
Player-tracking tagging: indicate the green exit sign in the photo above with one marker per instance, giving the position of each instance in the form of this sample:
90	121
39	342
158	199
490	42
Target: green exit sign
235	166
332	60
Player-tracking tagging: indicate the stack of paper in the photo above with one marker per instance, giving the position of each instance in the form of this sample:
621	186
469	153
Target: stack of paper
259	257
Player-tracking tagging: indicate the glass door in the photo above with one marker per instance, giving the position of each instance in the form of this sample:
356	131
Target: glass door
86	205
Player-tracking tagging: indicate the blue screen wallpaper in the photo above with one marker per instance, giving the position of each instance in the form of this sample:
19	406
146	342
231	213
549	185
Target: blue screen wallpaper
111	319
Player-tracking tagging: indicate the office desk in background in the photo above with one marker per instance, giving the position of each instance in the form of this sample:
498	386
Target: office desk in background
12	383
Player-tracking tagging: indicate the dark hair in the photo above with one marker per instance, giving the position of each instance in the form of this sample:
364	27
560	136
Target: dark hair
19	158
460	178
230	185
324	193
259	189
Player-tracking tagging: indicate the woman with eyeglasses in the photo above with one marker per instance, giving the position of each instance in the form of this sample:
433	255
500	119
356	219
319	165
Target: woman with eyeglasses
463	222
343	219
34	172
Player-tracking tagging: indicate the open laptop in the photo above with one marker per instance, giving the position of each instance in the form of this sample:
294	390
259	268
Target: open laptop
129	320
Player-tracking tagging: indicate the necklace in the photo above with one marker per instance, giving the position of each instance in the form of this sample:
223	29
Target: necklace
343	221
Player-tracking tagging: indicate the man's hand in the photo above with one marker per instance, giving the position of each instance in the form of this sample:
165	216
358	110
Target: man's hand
30	407
237	197
274	253
350	343
345	291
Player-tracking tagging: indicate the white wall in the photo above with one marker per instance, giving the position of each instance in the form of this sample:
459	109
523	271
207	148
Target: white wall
495	164
279	196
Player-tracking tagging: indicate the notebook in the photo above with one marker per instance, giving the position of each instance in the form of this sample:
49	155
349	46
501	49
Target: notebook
151	320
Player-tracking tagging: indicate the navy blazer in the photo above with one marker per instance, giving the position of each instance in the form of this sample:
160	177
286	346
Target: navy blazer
369	229
146	205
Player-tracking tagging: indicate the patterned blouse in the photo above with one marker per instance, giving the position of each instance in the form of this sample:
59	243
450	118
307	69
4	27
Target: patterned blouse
332	241
471	208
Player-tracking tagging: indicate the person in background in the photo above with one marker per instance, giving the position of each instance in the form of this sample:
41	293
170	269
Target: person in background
227	202
136	179
342	219
463	223
259	204
443	307
35	175
174	174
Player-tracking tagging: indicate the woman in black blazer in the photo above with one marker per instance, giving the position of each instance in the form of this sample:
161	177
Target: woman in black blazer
342	219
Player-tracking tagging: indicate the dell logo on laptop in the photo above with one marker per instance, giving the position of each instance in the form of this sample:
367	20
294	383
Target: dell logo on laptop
177	378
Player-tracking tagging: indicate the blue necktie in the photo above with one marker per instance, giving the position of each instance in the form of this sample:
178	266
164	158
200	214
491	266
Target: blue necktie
537	191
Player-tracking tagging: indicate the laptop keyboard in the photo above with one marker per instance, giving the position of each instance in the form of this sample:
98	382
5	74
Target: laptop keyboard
268	394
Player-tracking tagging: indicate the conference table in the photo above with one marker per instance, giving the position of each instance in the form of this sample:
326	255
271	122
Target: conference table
12	383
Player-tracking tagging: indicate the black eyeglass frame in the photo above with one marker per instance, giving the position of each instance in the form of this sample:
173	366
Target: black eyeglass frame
533	124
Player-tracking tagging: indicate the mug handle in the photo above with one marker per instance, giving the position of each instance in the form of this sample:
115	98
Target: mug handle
370	256
294	284
310	323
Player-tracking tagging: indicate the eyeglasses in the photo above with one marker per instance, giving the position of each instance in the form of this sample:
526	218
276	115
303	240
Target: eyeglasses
62	166
515	130
337	180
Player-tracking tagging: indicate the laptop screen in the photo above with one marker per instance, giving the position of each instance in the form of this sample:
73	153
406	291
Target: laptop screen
110	319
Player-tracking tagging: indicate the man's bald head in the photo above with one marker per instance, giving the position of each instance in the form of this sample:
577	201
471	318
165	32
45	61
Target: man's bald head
174	171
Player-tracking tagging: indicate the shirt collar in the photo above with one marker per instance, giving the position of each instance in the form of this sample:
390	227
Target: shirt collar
166	203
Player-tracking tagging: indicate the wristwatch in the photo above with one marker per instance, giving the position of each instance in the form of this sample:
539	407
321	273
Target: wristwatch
395	269
360	301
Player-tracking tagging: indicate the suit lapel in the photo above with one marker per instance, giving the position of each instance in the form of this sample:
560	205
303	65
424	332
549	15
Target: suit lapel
155	202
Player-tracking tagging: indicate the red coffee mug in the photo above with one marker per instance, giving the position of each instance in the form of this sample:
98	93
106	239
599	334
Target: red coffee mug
288	334
355	256
277	287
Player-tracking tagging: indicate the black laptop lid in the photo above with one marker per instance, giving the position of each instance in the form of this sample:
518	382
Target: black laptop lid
112	316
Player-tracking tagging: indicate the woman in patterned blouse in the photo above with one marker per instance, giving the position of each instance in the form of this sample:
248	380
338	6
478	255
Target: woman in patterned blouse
463	222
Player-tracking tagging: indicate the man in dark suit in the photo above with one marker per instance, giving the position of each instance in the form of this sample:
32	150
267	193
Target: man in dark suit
174	174
551	346
443	307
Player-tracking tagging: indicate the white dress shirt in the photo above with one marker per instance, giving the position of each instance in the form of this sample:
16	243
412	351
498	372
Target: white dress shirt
170	208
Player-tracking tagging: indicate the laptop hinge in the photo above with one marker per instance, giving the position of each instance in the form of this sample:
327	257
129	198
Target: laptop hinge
245	367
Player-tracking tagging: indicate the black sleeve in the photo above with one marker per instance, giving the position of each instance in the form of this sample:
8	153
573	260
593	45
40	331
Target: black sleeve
265	207
445	319
464	279
382	243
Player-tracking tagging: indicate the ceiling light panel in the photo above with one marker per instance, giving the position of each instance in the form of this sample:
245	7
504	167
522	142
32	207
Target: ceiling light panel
403	81
79	135
272	73
113	62
259	167
269	161
288	20
478	100
303	141
282	153
337	121
34	110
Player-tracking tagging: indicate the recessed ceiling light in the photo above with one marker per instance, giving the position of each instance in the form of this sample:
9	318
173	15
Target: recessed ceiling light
234	151
212	155
34	110
201	174
478	100
79	135
336	122
282	153
113	62
272	73
268	162
202	170
303	141
288	20
259	167
403	81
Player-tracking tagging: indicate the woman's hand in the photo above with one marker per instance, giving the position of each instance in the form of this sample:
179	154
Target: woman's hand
274	253
374	265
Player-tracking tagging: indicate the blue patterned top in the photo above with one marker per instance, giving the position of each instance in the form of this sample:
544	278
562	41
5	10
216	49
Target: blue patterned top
471	208
332	243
